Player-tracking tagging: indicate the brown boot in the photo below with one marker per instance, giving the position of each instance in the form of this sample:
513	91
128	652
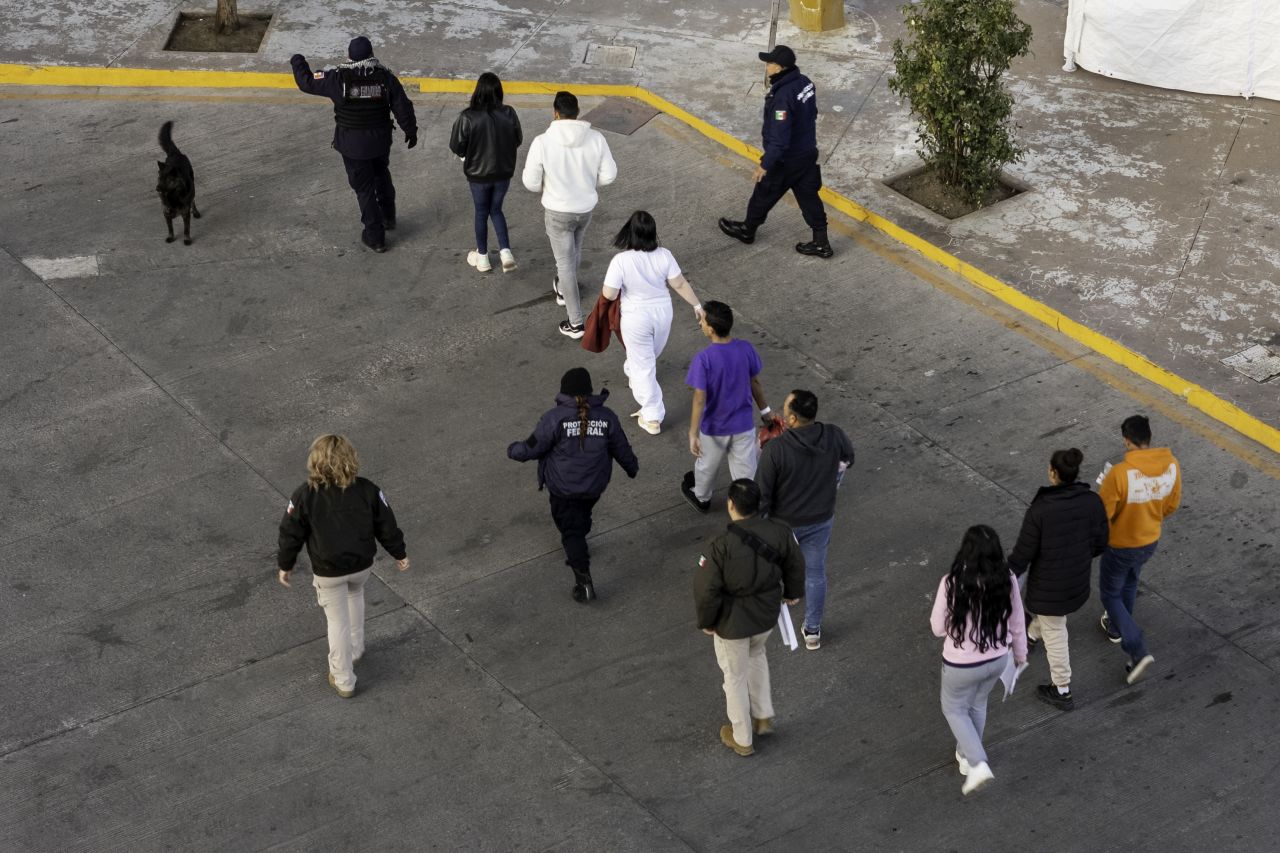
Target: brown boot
726	738
762	726
345	694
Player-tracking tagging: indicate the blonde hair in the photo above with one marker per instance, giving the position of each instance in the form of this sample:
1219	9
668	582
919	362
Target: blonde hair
332	461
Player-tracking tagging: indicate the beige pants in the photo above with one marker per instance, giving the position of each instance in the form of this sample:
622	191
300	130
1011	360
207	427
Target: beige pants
343	601
746	682
1053	631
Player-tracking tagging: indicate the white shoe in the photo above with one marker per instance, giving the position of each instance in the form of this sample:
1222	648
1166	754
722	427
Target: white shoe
978	777
508	260
651	427
555	288
635	414
479	261
964	765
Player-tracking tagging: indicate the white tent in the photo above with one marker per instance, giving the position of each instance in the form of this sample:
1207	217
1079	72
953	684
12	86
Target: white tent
1217	47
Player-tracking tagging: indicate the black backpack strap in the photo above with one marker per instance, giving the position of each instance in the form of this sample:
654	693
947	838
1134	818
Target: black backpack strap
755	543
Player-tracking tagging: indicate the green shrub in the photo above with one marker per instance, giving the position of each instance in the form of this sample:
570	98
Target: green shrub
950	72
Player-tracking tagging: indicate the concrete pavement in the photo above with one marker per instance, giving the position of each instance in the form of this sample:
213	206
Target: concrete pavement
163	692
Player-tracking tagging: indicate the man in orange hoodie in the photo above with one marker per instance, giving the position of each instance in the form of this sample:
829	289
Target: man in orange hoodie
1138	494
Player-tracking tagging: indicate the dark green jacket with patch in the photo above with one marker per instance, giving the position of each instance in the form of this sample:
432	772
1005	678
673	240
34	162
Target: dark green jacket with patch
738	592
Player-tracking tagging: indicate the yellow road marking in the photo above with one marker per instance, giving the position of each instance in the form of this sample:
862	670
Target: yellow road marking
1191	393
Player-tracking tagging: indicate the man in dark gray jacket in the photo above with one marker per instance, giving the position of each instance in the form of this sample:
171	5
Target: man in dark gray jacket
739	587
798	475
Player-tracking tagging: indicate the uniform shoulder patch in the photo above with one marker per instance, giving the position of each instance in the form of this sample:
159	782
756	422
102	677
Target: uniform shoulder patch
319	75
289	508
702	561
383	498
779	115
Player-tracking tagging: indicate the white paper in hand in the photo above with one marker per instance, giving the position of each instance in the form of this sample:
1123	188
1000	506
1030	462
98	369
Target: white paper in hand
1010	675
786	629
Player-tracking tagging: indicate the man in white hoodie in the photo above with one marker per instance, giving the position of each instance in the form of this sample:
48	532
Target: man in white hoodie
566	164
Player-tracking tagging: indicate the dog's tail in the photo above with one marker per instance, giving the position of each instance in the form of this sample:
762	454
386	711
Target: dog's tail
166	139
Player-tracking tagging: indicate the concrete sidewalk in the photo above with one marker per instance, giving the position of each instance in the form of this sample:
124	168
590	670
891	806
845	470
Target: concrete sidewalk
162	692
1152	217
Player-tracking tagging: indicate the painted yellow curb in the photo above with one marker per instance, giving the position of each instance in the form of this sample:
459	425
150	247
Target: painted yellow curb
1194	395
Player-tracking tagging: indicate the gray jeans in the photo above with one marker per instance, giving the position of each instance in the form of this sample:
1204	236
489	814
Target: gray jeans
964	704
565	231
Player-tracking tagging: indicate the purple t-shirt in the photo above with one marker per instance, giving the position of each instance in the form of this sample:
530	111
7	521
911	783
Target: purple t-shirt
724	372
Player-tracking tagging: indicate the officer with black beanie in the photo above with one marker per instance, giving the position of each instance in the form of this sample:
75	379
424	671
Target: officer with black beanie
790	160
365	94
576	444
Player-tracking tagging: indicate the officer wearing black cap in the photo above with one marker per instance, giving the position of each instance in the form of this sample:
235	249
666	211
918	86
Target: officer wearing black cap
790	160
365	95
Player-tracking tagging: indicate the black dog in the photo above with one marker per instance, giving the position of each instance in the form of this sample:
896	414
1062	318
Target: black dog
177	186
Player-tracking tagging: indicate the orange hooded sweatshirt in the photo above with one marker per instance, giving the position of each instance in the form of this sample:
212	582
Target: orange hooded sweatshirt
1139	493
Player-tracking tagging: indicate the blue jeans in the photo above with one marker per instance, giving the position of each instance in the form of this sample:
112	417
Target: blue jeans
1118	573
488	201
813	539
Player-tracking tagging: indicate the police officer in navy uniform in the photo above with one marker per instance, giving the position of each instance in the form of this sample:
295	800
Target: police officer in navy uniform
790	160
364	95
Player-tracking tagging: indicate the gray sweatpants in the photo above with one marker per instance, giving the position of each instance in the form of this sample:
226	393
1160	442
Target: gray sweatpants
964	704
743	451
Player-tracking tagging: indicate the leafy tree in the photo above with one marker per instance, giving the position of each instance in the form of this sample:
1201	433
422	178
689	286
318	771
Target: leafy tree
950	72
226	20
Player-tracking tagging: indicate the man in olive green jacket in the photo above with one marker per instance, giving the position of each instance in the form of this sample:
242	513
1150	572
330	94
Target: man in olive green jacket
741	581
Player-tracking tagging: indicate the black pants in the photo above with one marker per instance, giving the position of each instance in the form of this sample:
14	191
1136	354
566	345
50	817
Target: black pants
800	175
573	519
377	195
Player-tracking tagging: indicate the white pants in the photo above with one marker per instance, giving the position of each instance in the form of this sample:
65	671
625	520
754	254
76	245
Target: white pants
1053	630
343	601
746	682
645	328
743	451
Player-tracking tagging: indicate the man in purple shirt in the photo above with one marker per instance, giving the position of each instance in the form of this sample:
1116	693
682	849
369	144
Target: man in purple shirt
725	378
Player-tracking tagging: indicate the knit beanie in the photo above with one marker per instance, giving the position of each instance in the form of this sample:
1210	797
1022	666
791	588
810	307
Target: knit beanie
360	48
576	382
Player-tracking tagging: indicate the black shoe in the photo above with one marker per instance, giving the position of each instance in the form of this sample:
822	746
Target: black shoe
579	593
818	250
738	230
686	489
571	331
389	223
1112	634
377	247
1049	693
1032	645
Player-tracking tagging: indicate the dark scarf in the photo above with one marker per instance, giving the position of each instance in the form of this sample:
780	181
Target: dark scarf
774	78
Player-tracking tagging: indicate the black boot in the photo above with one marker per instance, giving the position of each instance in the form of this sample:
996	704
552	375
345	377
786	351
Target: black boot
739	230
819	246
583	590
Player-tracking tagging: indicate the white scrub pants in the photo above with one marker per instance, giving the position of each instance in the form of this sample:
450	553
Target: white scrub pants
645	328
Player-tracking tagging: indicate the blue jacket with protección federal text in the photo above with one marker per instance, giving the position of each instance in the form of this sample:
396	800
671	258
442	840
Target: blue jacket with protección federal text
570	464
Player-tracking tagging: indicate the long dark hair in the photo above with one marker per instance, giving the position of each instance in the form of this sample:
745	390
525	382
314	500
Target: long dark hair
640	233
978	591
584	409
488	92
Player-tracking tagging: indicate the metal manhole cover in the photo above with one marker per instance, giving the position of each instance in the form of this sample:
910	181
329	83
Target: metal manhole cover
620	115
1257	362
610	55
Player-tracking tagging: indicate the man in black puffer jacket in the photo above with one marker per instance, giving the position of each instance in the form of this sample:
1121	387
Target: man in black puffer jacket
1064	529
739	586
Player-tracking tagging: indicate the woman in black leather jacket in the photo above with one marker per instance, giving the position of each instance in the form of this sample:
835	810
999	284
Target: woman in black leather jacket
486	136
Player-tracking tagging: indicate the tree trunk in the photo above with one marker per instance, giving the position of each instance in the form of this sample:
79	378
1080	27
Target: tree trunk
226	20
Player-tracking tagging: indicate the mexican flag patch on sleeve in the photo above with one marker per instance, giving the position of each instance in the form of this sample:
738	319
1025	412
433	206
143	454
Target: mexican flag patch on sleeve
779	115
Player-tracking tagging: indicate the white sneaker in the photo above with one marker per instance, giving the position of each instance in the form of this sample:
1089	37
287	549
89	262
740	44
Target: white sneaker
479	261
508	260
964	765
651	427
978	777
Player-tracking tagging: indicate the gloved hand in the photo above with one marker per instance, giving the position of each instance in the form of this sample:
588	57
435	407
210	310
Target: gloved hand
410	139
296	58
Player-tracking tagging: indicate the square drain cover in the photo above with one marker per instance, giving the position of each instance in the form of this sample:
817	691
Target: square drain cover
610	55
620	115
1257	362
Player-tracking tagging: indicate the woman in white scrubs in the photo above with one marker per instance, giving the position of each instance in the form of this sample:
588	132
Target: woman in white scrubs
641	274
